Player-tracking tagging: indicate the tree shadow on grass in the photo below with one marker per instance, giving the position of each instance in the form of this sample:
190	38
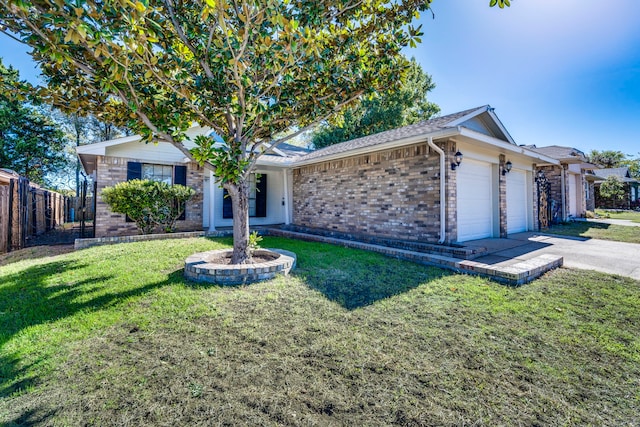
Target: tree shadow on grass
32	297
356	286
31	417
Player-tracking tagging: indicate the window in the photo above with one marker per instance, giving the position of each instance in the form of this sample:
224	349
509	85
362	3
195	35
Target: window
633	194
163	173
257	198
160	173
587	196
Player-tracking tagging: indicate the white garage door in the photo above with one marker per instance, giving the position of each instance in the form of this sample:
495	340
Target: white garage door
516	201
475	195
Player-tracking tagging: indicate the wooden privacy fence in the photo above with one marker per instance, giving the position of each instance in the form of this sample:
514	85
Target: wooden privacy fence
26	210
79	209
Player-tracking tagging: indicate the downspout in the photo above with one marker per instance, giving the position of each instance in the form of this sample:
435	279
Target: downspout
443	203
562	192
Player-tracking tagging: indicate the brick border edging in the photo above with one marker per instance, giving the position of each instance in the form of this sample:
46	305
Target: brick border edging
514	275
99	241
452	250
197	269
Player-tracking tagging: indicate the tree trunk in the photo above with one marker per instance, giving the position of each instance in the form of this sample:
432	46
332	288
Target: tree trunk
239	194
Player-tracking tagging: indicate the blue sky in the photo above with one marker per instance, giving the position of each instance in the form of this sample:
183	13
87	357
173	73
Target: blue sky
563	72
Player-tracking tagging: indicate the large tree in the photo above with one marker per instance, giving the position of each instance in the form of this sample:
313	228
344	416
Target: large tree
616	159
389	110
31	143
248	69
606	158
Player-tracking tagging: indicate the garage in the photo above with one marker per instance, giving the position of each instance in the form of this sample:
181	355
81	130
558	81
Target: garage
475	200
517	201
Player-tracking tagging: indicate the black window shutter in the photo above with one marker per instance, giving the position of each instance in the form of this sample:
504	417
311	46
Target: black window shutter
180	177
227	209
134	170
261	196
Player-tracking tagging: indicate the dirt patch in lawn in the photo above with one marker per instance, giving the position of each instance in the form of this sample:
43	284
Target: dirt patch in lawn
34	252
225	258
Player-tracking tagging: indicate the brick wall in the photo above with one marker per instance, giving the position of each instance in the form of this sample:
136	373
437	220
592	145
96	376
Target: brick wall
393	193
590	203
112	170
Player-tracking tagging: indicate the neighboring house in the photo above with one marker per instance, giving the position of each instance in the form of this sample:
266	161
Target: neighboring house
631	199
401	184
571	183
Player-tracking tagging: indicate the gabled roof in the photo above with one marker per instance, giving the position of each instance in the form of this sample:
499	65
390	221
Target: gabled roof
293	150
622	173
424	128
573	155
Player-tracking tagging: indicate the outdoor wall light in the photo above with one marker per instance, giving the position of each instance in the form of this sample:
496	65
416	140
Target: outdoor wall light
458	160
507	167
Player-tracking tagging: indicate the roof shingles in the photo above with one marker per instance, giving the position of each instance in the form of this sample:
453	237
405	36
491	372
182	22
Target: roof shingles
409	131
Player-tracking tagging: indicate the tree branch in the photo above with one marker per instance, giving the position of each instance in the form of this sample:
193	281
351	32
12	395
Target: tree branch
183	38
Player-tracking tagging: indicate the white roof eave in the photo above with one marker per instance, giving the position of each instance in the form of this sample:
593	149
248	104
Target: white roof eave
99	148
506	146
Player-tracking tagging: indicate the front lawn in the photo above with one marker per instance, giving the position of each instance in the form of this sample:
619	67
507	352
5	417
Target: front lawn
113	335
629	215
598	230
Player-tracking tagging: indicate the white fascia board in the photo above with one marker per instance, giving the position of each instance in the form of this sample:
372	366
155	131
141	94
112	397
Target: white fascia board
498	123
99	148
445	133
485	109
469	116
506	146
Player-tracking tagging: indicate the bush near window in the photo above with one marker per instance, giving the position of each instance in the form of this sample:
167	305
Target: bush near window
149	204
612	188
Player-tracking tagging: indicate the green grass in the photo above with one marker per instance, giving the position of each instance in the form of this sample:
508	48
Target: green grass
629	215
113	335
598	230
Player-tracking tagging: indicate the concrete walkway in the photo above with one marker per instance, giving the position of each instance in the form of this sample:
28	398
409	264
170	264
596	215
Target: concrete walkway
589	254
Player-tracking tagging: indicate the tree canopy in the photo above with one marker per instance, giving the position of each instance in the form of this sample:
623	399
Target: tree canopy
606	158
616	159
31	143
247	69
390	110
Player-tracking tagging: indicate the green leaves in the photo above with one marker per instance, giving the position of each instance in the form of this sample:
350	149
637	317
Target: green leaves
500	3
150	204
612	188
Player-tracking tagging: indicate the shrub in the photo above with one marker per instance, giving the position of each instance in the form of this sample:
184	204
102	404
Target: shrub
612	188
148	203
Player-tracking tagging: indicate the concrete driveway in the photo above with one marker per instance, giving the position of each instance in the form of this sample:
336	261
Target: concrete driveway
589	254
